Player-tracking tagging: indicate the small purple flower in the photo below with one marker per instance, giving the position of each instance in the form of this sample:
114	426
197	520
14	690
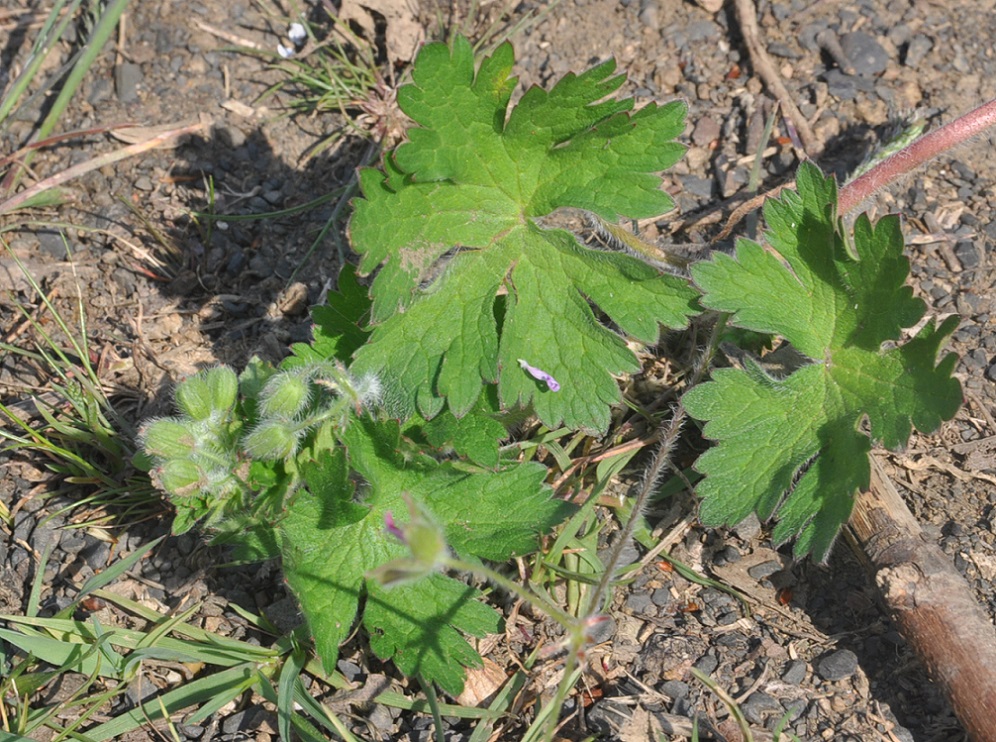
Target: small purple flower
537	373
393	529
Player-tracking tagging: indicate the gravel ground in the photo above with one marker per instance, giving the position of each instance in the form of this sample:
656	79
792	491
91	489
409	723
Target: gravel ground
815	641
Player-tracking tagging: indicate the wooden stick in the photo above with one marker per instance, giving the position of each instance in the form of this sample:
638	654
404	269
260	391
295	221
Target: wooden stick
747	18
932	604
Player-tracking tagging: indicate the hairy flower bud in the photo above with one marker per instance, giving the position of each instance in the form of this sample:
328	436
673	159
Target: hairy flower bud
426	543
284	396
271	440
206	392
167	438
180	477
224	385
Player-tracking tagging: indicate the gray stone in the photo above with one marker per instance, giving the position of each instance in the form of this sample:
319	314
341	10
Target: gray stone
840	85
350	670
759	706
191	731
381	719
661	597
764	569
863	51
748	528
674	689
639	604
230	135
967	254
707	663
728	618
703	31
699	187
918	48
650	13
783	50
731	554
601	631
127	77
838	665
795	672
795	709
250	719
706	131
53	243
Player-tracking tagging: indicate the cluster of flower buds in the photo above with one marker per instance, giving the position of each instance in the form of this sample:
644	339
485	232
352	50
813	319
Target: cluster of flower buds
196	452
206	450
296	401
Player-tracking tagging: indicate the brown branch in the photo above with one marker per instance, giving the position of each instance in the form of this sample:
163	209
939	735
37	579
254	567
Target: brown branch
17	200
747	18
932	604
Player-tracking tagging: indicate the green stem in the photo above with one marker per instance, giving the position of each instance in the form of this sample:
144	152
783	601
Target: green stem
485	573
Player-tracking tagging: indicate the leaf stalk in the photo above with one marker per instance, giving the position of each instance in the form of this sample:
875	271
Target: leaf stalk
918	152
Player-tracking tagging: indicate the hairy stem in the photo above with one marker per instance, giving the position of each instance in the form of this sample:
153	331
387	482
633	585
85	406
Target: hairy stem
909	158
651	477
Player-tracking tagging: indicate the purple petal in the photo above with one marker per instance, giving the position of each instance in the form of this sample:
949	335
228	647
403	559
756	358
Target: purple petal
538	373
391	528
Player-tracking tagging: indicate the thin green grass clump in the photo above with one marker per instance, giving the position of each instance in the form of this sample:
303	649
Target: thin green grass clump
104	661
71	426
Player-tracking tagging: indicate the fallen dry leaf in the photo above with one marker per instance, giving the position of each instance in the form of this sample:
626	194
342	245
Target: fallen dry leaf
405	32
482	684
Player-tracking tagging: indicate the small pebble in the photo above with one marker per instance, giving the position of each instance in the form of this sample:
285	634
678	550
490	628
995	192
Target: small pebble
707	663
350	670
795	672
765	569
674	689
602	631
661	597
918	48
127	77
838	665
967	254
748	528
863	51
650	13
759	706
639	604
700	187
705	132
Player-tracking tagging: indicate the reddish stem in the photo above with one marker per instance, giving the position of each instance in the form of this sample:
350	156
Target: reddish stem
909	158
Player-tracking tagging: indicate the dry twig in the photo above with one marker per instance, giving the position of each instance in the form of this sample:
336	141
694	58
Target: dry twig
747	17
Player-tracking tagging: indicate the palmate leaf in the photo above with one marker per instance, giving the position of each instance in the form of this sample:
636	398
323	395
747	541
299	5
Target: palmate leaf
468	285
332	535
338	324
794	447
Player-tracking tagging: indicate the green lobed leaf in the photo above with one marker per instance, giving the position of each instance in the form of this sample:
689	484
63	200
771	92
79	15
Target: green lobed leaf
333	535
794	447
476	435
338	324
419	626
450	228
